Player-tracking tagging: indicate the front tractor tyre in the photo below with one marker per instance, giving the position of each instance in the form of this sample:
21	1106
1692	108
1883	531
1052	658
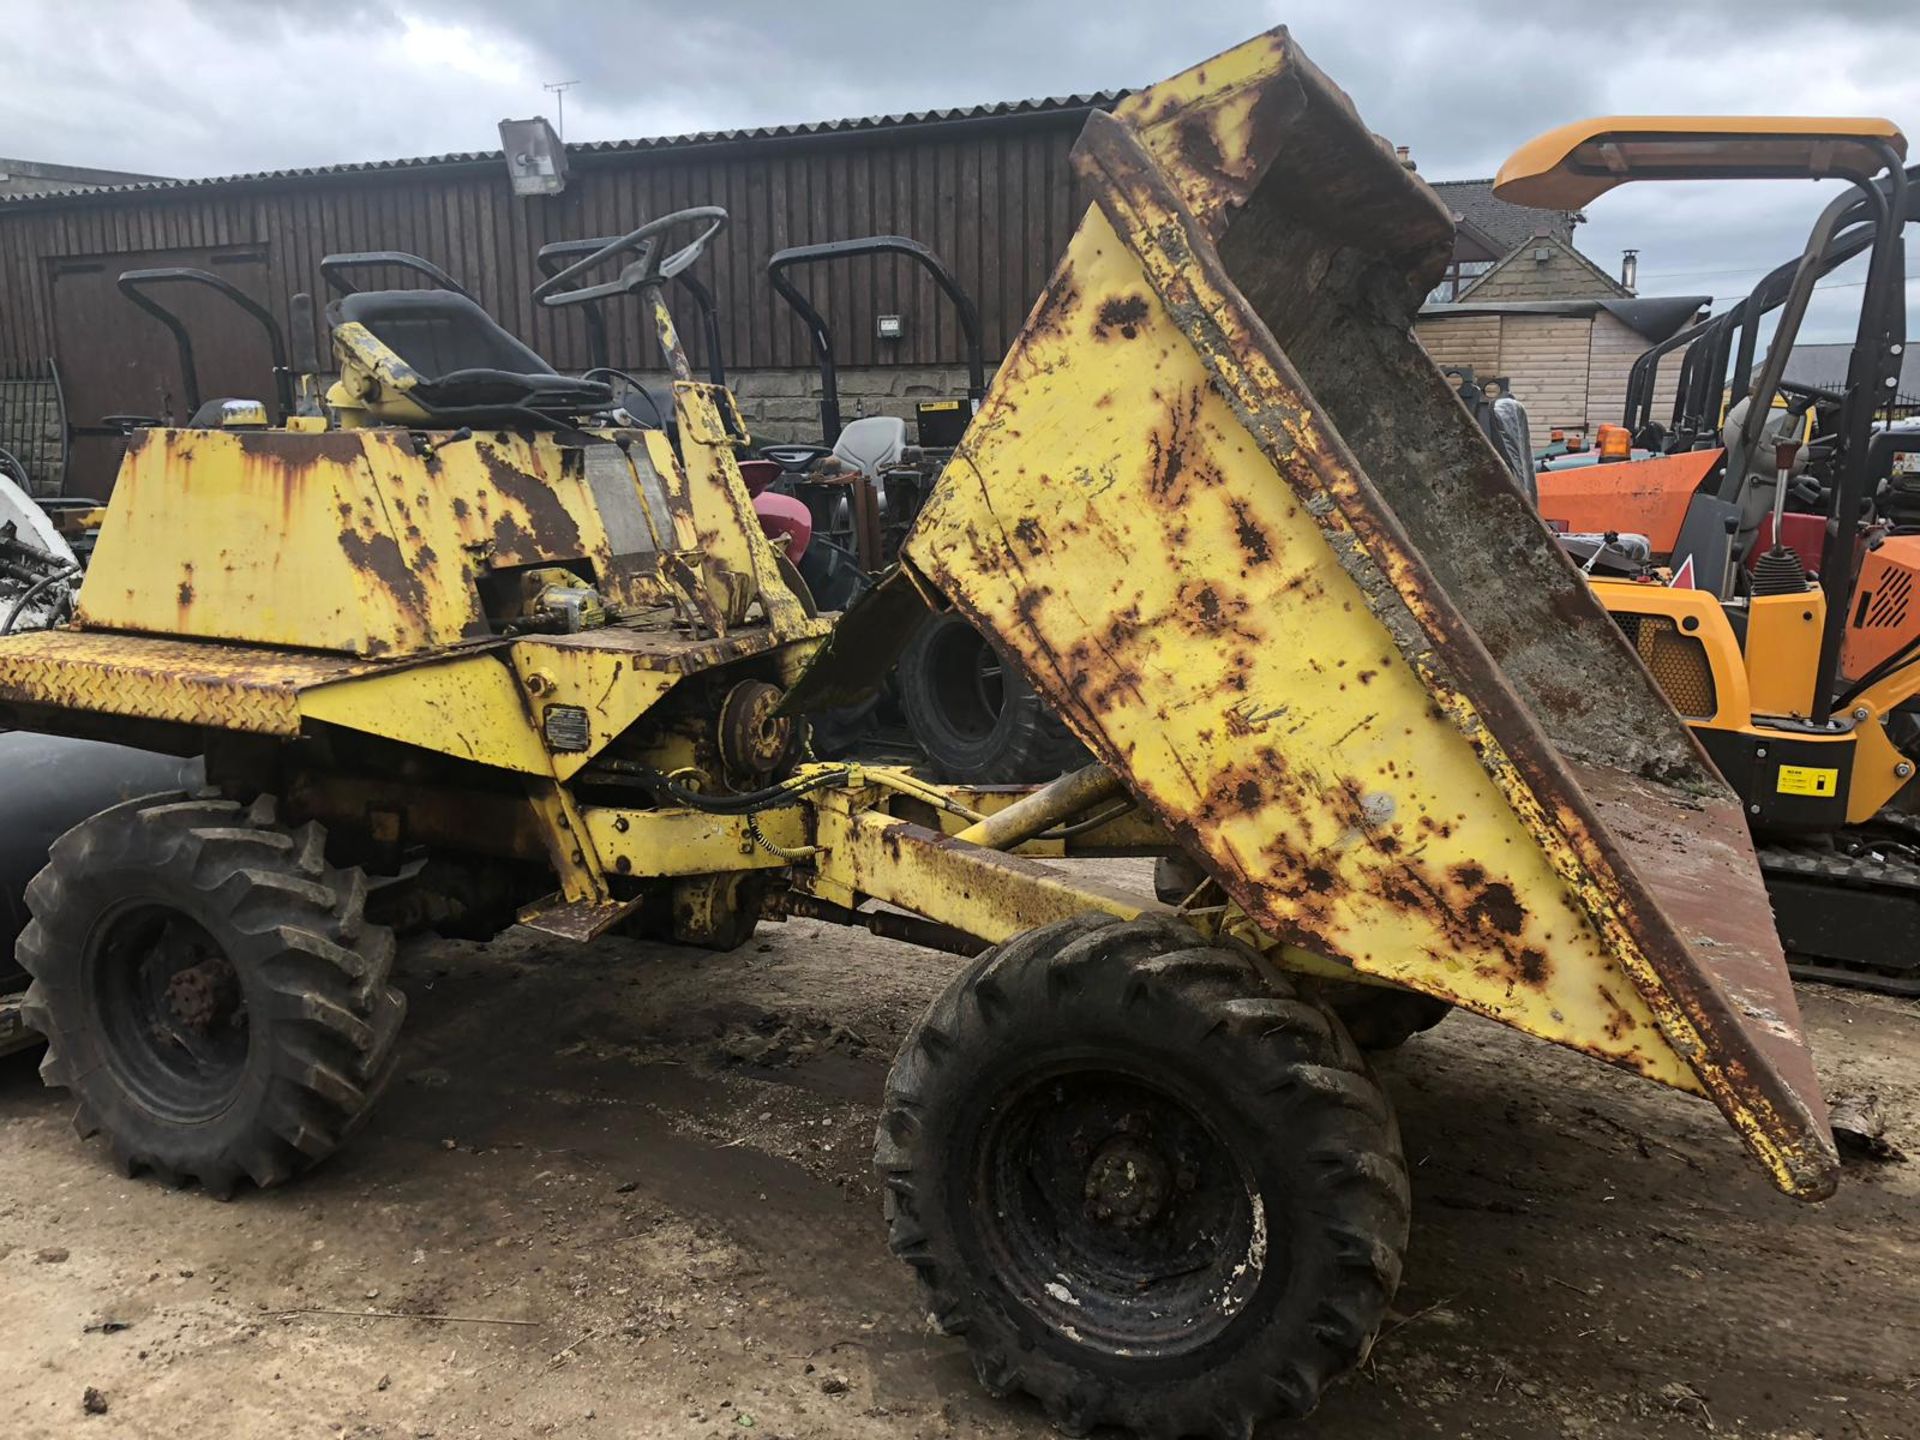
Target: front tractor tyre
210	989
1150	1184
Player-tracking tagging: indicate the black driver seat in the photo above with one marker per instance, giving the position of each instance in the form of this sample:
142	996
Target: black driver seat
467	363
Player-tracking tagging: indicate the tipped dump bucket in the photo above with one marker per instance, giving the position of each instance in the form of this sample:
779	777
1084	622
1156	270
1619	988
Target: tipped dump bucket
1231	521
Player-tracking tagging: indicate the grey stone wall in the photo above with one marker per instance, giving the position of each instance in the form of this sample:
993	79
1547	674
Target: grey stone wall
785	404
30	428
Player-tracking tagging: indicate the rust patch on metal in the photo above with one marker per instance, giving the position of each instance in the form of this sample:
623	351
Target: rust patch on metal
1253	537
1177	461
1124	313
549	532
379	556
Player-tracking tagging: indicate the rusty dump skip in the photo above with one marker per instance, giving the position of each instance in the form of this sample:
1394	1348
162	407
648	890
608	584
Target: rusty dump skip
1232	522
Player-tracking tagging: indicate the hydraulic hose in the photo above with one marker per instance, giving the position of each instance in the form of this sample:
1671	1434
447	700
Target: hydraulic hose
27	597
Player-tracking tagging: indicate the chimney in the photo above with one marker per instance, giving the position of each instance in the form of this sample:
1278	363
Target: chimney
1406	156
1630	271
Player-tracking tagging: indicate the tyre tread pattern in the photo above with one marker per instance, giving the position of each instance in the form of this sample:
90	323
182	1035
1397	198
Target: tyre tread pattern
317	975
1280	1052
1030	743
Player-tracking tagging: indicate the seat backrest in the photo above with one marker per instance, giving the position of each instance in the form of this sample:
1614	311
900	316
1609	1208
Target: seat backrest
872	443
1513	442
1707	538
438	332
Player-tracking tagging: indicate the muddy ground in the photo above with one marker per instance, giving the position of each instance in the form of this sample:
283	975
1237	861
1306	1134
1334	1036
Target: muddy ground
654	1164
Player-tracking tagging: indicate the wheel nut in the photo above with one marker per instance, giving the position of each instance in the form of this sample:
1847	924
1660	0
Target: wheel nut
1126	1184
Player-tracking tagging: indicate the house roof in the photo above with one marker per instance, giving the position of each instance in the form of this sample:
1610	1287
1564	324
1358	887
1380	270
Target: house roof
1052	104
1506	225
1654	316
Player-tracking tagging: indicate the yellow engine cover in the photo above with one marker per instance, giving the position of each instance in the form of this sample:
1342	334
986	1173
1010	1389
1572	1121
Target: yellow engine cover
367	542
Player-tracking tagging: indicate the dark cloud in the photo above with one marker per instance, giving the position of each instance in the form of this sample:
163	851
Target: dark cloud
196	87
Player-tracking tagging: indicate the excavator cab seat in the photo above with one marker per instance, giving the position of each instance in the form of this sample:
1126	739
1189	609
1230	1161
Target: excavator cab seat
467	363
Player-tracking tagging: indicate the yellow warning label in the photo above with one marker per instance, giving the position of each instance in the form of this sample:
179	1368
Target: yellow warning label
1807	780
939	404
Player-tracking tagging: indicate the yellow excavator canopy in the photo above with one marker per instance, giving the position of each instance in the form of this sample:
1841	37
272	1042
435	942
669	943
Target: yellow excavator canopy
1566	168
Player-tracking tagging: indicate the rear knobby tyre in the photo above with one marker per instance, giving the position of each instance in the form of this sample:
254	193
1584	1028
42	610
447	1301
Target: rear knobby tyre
210	989
974	715
1149	1184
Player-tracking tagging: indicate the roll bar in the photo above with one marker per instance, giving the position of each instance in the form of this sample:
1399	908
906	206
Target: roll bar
135	283
1640	379
1849	238
1872	375
963	305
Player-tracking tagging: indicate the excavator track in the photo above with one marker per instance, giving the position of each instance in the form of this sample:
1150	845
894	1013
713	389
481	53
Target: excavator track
1848	905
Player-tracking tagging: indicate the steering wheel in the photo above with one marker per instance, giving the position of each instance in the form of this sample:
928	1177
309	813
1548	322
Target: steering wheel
646	268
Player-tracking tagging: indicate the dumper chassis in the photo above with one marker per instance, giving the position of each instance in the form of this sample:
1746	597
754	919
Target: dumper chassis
453	646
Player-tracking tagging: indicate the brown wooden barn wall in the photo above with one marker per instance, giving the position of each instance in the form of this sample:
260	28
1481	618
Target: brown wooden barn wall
994	196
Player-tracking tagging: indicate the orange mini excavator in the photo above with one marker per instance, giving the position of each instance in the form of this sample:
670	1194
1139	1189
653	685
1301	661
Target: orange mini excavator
1761	548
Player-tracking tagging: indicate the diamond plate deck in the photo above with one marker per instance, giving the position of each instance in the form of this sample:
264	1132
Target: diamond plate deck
230	687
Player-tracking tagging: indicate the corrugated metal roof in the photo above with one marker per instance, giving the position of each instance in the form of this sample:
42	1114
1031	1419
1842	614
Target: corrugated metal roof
1102	100
1826	365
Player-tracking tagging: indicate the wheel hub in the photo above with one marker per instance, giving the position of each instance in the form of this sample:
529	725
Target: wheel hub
200	995
754	737
172	1010
1114	1209
1127	1184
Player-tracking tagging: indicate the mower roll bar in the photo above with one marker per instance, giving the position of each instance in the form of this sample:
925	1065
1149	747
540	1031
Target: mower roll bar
1873	372
822	338
134	284
1697	388
1852	237
554	258
1640	379
335	268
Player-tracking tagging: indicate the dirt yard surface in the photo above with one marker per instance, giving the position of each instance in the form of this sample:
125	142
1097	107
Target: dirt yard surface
638	1178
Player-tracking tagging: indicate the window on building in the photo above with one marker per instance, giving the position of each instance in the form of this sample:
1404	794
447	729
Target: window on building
1460	274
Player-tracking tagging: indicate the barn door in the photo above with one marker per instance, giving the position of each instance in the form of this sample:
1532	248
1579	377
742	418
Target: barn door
115	359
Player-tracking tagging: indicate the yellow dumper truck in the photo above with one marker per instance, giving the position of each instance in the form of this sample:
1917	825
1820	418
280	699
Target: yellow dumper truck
464	634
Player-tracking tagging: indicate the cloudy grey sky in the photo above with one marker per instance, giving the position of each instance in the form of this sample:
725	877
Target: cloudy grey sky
205	87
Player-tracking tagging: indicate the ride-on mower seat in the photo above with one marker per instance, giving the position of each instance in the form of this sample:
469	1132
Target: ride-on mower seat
464	357
873	444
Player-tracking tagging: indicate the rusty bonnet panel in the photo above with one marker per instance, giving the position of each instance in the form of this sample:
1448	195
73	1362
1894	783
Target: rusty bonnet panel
366	542
1230	520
